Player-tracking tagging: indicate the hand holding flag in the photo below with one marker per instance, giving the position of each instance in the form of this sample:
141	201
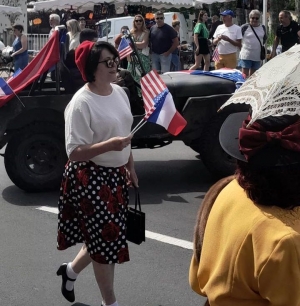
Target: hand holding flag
124	48
159	105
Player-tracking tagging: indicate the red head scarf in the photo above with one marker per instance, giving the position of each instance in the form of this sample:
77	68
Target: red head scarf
81	54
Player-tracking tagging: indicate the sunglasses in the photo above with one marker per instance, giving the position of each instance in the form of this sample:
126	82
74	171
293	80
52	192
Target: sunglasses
255	18
160	18
138	20
110	62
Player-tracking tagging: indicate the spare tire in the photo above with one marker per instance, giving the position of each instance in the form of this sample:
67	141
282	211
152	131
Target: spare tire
35	157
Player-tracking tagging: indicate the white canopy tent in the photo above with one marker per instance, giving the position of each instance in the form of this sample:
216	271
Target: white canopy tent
79	4
10	9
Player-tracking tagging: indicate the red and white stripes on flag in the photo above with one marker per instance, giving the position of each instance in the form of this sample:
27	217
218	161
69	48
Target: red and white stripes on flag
124	48
152	85
216	55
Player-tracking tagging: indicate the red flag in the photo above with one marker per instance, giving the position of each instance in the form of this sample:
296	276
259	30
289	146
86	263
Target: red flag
45	59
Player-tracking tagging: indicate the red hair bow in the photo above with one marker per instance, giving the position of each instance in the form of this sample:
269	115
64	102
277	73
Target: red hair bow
255	137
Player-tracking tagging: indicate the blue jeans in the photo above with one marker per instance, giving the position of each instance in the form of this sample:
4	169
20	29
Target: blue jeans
249	64
161	63
175	62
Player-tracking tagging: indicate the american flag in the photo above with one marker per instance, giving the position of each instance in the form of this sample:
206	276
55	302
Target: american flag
152	86
216	55
124	48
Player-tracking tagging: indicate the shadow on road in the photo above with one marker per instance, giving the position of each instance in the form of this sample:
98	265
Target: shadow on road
158	180
16	196
167	180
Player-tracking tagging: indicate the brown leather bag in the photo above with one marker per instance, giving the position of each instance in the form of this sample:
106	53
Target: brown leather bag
203	214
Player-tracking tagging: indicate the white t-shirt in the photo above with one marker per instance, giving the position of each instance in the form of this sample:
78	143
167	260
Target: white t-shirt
91	118
251	46
233	32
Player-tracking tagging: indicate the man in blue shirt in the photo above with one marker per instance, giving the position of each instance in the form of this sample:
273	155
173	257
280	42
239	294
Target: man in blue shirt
163	40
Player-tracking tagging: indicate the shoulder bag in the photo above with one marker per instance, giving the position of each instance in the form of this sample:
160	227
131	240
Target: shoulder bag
136	229
262	48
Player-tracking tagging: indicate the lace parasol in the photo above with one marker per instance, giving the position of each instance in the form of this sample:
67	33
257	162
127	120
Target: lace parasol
274	89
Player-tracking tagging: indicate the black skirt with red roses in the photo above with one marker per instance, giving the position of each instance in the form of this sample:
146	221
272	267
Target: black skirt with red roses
92	210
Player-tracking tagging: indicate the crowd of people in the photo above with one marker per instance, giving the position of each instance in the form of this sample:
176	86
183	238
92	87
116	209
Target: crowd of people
228	39
160	46
256	211
255	229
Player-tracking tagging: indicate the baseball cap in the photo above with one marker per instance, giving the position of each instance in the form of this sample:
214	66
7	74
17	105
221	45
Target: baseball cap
227	12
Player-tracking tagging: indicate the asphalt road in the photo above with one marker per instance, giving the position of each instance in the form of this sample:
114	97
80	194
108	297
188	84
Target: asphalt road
173	182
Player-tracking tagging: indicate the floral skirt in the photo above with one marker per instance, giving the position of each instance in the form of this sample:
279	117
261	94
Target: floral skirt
93	210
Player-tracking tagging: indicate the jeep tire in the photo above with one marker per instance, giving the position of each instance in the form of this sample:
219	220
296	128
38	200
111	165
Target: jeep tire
35	157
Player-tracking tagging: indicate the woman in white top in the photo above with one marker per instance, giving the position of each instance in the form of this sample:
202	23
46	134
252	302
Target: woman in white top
94	192
250	53
140	36
73	33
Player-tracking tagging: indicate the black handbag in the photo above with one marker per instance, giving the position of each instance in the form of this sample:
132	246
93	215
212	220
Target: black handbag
262	48
136	221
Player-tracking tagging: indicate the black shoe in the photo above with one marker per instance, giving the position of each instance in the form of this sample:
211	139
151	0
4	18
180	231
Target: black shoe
69	295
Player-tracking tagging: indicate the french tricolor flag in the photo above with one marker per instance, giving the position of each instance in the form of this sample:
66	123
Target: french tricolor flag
159	104
5	89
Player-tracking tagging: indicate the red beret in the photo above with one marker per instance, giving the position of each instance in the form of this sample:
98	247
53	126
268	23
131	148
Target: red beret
81	54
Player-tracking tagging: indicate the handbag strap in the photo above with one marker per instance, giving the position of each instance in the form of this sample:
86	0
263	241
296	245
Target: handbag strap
256	35
137	199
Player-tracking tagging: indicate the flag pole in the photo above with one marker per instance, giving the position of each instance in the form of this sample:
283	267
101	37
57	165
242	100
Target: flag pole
138	126
15	94
136	129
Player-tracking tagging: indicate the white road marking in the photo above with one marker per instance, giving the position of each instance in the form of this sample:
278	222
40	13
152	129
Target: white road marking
52	210
170	240
151	235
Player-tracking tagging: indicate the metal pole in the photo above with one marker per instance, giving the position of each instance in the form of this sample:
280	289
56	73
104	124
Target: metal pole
265	13
265	21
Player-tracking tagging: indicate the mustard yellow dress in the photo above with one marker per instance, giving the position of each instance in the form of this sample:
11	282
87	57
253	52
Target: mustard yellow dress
250	254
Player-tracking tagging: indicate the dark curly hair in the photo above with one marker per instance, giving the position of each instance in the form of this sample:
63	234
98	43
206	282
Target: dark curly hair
94	57
274	186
